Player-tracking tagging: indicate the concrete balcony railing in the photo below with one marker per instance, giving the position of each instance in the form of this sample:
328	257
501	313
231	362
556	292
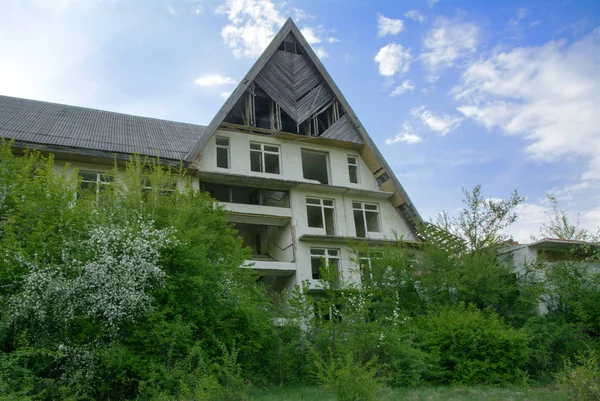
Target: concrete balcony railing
270	266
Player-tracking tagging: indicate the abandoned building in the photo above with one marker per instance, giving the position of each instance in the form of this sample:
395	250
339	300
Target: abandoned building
285	154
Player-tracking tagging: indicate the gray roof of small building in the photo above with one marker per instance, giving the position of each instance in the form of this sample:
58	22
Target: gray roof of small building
37	122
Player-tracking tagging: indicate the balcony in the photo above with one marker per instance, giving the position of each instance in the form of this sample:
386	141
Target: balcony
271	246
270	266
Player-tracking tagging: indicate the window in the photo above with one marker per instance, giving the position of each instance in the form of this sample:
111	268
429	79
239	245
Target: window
382	178
314	166
328	312
159	189
246	195
223	152
353	169
94	181
367	262
320	214
328	258
264	158
366	218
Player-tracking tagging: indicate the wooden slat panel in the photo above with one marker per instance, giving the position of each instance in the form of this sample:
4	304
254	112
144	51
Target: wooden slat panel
370	159
343	130
388	186
397	199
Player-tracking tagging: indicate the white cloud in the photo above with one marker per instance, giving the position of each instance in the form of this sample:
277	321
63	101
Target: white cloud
332	40
198	9
171	10
442	123
300	15
321	53
213	80
549	95
432	3
415	16
50	50
405	137
389	26
447	43
406	86
225	95
533	215
310	35
521	14
393	58
253	23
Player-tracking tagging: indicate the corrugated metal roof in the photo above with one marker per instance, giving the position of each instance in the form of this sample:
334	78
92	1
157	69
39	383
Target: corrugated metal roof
79	127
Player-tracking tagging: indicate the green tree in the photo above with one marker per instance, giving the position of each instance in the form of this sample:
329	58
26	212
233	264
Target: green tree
560	225
132	289
481	222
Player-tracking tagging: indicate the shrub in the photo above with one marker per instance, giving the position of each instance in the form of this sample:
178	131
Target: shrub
473	346
552	340
348	379
581	380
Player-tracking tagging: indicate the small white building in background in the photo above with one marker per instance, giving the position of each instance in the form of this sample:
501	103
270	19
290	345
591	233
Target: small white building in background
547	252
285	154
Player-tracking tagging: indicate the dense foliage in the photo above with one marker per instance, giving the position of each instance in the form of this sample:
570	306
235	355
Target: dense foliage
131	290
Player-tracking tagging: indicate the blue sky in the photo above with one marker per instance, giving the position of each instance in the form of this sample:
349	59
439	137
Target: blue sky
454	93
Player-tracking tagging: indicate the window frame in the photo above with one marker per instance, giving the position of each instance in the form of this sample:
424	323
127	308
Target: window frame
326	257
263	194
262	153
365	264
227	150
98	182
364	212
327	163
322	206
355	165
166	190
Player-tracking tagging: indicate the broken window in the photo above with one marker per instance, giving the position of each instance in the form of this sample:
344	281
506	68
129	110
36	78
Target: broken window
264	158
320	214
246	195
262	109
328	258
366	218
382	178
315	166
274	198
290	47
222	152
353	169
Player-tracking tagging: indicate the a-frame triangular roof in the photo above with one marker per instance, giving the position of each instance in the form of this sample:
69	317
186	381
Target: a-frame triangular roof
369	152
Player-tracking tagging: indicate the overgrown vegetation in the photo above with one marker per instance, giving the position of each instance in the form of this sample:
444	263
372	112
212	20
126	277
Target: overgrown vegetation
134	291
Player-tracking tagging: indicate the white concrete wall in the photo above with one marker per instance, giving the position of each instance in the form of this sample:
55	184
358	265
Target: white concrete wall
291	160
391	222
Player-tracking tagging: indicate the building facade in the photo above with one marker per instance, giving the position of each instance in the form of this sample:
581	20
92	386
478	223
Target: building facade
285	154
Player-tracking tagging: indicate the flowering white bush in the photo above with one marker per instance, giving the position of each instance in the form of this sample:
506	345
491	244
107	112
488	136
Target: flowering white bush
111	286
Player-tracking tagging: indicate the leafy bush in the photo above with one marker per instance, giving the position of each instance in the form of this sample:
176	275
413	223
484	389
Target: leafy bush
473	347
581	380
551	341
347	378
409	366
122	292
